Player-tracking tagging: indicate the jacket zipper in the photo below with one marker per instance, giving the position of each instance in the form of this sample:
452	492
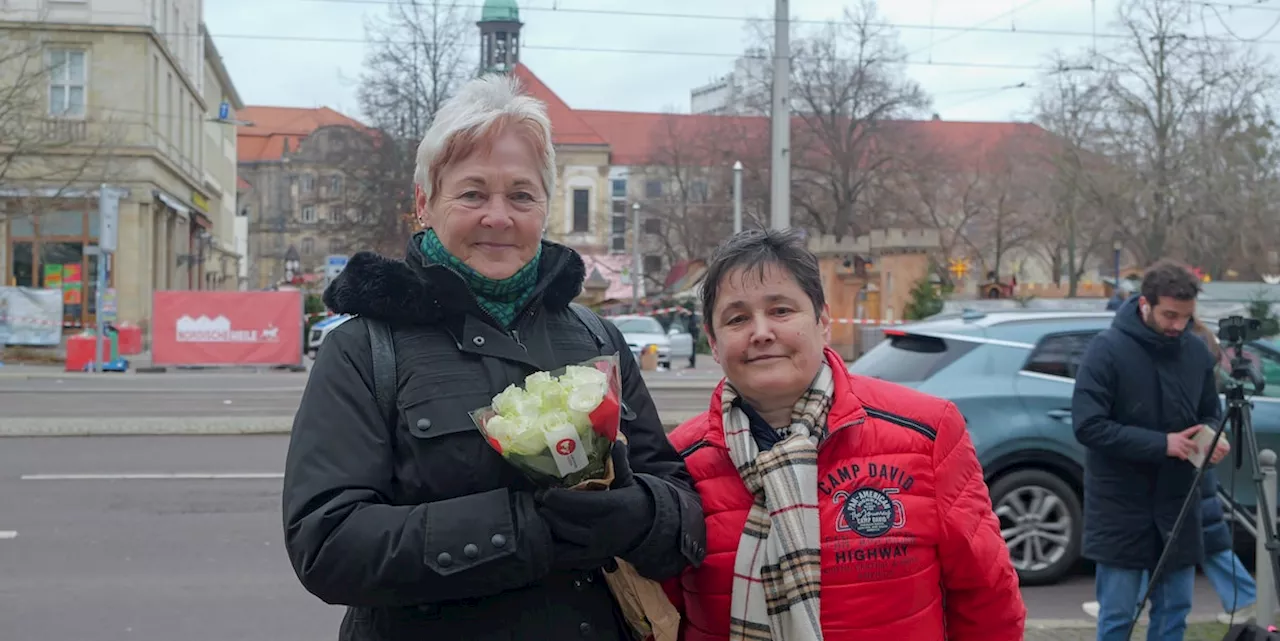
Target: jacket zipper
526	314
921	428
513	333
824	441
693	448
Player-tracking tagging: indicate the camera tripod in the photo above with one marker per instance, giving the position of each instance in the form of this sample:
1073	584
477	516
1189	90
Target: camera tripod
1239	416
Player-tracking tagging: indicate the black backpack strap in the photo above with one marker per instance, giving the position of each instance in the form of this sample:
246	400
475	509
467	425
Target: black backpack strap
593	323
383	348
603	341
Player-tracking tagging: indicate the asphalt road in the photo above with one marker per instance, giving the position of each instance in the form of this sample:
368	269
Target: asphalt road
162	538
222	398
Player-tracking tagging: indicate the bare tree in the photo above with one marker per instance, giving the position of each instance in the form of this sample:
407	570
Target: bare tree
1160	82
1009	204
932	188
374	208
1232	227
1075	229
847	82
417	58
693	158
47	147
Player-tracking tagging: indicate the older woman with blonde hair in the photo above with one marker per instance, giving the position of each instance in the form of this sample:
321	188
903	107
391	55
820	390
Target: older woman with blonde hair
394	505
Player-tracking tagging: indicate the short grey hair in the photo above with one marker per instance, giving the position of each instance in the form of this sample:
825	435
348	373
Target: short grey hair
478	106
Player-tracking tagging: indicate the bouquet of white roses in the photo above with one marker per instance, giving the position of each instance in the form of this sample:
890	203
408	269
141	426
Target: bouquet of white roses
560	426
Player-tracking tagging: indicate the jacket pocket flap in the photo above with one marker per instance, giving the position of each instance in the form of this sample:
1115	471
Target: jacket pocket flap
441	416
468	531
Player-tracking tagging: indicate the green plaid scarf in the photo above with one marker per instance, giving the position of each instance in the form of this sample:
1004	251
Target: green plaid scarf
503	299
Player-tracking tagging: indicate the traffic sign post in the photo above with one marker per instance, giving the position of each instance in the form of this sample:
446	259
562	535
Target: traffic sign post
333	265
108	224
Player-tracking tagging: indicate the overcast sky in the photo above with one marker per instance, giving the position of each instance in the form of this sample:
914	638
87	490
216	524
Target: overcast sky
308	53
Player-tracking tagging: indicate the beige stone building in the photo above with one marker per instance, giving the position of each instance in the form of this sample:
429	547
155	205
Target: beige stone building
126	93
295	194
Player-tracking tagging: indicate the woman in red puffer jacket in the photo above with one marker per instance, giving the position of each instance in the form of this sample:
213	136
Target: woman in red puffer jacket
837	507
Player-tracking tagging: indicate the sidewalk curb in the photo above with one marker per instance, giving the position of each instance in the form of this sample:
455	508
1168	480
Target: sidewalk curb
170	426
1092	624
148	426
19	373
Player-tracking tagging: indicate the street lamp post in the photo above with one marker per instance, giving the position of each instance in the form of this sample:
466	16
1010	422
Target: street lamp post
737	197
635	257
780	117
1118	246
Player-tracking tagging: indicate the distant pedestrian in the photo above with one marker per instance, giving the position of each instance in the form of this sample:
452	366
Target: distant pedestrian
1144	387
693	333
1123	290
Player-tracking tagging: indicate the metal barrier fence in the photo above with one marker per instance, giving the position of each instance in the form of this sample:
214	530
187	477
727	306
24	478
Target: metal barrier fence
1248	520
1266	606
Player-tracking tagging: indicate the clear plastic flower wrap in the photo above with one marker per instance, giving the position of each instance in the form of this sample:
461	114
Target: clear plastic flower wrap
560	426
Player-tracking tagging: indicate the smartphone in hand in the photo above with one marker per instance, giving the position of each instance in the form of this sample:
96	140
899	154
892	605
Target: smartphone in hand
1203	439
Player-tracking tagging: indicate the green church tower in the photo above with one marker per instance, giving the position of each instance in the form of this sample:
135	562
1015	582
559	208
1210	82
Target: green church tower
499	36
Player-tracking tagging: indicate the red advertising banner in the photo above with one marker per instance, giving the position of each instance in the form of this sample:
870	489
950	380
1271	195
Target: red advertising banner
226	328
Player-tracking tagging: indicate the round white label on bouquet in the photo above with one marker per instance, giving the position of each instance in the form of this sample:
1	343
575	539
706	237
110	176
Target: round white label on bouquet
566	450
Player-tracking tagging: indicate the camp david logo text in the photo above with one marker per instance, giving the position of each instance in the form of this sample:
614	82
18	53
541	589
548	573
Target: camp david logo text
869	512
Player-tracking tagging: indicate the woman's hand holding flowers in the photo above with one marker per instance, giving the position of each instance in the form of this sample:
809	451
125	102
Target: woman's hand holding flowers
591	528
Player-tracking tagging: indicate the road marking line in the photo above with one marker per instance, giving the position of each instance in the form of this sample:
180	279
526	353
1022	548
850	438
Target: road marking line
184	476
8	534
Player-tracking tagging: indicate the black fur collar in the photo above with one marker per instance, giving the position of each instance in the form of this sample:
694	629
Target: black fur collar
415	292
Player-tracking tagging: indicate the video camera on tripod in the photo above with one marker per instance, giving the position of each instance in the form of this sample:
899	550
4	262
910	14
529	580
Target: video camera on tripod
1234	332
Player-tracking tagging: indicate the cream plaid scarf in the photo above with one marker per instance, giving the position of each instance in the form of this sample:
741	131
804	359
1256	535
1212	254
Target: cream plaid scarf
777	572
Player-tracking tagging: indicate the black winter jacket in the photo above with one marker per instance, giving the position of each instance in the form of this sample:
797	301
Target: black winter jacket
420	527
1133	387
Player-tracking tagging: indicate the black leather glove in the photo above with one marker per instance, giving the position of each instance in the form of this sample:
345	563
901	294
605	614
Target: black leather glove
622	475
592	527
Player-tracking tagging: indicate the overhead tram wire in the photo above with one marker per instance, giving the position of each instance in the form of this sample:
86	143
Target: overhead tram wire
601	50
981	28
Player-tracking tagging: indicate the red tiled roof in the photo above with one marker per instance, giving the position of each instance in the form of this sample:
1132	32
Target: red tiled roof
644	138
567	128
976	137
273	127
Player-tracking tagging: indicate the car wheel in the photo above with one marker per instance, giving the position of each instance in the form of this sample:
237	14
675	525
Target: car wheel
1041	521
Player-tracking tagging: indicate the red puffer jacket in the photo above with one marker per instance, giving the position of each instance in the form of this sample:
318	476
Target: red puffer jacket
911	549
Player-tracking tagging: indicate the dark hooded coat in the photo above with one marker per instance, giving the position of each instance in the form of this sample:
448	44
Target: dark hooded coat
1134	387
421	528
